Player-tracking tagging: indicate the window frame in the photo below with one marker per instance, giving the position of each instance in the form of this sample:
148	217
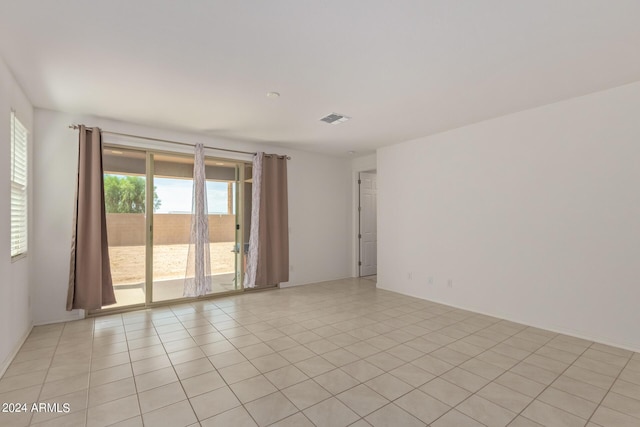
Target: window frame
19	188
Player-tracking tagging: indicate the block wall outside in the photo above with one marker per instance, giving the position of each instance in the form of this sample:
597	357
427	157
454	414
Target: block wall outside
168	229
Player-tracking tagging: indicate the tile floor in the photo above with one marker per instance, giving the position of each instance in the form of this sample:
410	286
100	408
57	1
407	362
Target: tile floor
331	354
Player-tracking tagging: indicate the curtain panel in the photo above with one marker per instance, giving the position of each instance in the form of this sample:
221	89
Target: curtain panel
254	234
198	275
90	283
269	240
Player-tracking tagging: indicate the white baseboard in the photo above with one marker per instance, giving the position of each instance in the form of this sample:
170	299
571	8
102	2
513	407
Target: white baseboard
5	363
294	283
77	315
551	328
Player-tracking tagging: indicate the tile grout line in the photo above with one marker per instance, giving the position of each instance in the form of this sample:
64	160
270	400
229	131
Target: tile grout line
47	374
609	389
93	335
261	374
549	385
410	362
522	360
124	330
133	375
278	390
88	374
338	367
473	357
519	361
223	379
176	372
218	372
420	336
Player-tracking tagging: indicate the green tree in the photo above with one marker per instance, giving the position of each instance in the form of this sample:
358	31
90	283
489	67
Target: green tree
125	194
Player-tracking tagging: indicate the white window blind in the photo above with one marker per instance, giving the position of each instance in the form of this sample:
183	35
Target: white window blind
18	187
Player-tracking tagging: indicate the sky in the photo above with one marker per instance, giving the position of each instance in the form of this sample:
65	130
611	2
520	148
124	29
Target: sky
175	195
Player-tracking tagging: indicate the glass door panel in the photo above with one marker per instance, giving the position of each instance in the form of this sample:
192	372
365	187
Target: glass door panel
125	201
222	202
173	184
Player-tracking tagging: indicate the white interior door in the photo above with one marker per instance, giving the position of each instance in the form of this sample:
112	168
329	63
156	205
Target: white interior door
368	224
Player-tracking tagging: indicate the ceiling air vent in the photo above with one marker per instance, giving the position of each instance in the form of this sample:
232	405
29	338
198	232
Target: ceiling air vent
335	118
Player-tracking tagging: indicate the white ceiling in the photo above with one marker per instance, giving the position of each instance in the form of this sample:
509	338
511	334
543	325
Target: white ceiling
402	69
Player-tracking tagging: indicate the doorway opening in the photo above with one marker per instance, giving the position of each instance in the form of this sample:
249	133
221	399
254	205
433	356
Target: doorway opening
367	225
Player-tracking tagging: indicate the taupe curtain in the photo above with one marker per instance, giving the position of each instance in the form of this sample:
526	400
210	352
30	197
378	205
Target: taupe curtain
90	283
273	232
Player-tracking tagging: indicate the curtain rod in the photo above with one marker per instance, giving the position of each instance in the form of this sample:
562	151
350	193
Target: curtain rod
177	142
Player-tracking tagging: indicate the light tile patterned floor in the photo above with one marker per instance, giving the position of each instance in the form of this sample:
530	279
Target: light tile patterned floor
330	354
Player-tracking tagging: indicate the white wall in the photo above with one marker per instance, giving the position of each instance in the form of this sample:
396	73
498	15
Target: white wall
535	217
319	206
319	199
15	310
364	163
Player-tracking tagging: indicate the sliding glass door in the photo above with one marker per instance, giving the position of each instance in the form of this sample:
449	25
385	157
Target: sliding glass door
224	236
125	202
149	198
173	183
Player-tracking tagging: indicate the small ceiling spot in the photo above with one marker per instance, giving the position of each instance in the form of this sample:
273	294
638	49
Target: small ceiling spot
351	153
335	118
273	95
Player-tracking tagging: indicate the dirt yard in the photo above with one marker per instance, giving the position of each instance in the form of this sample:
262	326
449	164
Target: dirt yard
170	261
